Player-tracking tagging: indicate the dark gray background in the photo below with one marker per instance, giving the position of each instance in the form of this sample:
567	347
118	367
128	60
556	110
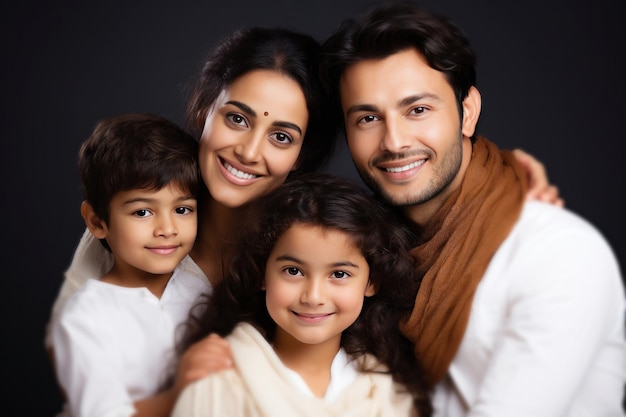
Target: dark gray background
551	74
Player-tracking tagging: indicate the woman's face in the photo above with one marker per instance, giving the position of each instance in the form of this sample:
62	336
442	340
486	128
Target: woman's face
252	137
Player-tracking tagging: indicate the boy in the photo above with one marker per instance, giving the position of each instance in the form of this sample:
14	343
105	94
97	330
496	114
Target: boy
115	337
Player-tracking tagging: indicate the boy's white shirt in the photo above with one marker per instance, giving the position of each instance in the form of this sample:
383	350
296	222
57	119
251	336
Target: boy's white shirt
115	345
92	260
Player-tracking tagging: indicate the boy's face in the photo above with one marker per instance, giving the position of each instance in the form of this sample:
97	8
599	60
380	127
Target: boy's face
150	231
315	282
403	128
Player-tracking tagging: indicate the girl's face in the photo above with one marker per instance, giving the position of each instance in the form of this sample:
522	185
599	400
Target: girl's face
252	137
315	281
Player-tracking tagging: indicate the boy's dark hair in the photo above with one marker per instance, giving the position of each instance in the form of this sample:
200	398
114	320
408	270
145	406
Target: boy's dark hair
323	200
136	151
290	53
393	27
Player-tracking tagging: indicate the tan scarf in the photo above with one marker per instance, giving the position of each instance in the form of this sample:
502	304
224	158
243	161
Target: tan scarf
455	249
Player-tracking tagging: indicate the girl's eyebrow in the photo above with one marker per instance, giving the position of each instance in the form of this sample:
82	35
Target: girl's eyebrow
298	261
248	110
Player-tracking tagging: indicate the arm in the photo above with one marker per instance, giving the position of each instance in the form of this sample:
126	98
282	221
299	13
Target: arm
209	355
539	187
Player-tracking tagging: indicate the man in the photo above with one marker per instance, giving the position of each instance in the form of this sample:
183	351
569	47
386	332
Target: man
521	307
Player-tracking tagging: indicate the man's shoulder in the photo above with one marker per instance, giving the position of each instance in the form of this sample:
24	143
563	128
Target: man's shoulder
545	220
551	237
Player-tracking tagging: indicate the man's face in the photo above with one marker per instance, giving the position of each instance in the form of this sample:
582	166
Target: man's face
403	128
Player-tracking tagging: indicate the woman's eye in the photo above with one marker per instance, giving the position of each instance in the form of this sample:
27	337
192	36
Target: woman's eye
282	137
237	119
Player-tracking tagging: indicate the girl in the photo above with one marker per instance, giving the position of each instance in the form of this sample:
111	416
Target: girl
311	306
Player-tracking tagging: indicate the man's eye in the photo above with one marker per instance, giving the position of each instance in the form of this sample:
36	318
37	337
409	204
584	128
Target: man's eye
368	119
418	110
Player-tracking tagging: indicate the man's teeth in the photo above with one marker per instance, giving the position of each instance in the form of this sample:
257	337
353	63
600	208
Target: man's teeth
405	167
237	173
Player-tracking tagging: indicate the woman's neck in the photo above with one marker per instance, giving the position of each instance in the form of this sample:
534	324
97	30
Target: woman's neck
217	226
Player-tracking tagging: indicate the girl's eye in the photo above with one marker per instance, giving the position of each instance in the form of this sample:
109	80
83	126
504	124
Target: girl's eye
282	137
237	119
340	274
142	213
183	210
293	271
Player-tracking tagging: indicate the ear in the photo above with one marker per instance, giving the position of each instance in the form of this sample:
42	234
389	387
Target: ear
370	289
94	223
471	112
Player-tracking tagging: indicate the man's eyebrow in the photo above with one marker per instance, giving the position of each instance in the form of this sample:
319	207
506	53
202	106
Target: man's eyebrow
401	103
361	107
417	97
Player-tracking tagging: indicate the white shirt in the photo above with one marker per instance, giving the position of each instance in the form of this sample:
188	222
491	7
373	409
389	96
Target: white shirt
342	374
91	260
115	345
545	336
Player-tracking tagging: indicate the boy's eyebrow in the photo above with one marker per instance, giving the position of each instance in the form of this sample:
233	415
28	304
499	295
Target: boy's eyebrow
247	109
150	200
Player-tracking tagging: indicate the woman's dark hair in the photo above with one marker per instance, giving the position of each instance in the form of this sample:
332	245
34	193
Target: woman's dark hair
331	203
392	27
292	54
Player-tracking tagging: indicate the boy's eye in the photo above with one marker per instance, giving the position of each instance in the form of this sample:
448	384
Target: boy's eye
142	213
